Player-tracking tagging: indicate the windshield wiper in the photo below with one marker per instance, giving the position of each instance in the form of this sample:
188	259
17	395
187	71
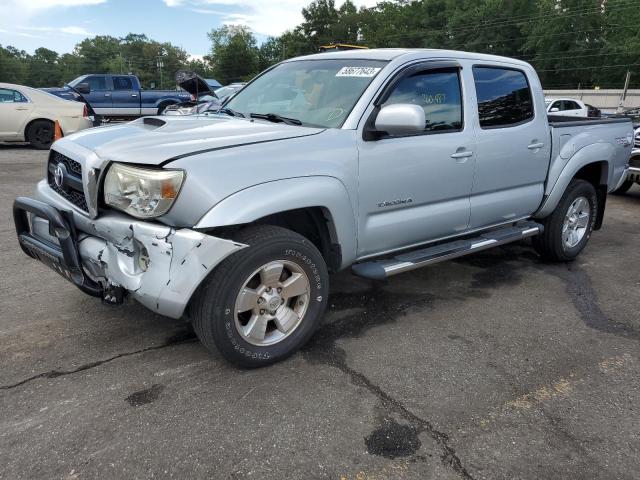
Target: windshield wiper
274	117
231	112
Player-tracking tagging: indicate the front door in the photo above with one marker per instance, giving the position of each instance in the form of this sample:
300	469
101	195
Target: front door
413	189
513	148
100	95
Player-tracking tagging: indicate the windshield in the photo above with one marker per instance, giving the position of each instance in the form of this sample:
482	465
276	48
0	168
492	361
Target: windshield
548	102
316	92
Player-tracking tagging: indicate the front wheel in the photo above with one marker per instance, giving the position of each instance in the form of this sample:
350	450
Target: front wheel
568	229
264	302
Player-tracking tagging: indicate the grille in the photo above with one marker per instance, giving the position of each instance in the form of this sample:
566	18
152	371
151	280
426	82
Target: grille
637	141
71	189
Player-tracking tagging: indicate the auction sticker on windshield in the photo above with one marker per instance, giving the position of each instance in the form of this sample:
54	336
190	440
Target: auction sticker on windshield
357	71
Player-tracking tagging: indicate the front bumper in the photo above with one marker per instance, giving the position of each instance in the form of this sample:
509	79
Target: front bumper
632	174
157	265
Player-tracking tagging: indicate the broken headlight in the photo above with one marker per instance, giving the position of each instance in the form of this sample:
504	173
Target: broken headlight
141	192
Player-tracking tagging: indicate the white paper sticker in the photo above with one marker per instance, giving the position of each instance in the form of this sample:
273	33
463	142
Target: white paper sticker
357	71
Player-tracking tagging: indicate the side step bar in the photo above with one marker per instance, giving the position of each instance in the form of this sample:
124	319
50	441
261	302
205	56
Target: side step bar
381	269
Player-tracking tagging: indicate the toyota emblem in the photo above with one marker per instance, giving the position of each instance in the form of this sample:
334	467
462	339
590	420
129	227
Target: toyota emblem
58	176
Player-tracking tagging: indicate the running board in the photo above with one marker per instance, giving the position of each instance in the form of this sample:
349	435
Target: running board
381	269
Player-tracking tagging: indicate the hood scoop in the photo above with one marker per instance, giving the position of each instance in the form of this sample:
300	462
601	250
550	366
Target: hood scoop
153	122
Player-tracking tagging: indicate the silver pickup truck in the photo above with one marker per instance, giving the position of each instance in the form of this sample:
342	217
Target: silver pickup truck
380	160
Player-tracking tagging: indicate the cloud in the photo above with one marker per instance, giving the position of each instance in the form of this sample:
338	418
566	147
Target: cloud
46	4
70	30
266	17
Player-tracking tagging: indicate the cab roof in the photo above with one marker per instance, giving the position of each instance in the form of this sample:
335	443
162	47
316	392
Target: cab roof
388	54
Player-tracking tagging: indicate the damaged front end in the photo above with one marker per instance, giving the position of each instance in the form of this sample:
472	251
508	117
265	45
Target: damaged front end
157	265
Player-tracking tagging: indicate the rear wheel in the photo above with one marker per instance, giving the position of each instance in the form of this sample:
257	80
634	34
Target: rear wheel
40	134
263	303
568	229
624	188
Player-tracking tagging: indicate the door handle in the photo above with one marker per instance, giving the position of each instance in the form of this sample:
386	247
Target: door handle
535	146
134	94
107	94
463	154
21	108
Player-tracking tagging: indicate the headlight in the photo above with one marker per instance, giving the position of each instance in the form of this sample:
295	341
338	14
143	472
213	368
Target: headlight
141	192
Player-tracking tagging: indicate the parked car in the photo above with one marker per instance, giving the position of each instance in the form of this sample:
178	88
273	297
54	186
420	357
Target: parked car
203	97
224	92
567	107
633	173
29	115
380	160
592	111
119	96
213	83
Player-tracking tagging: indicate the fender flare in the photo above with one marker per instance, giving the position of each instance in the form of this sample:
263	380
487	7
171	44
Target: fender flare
258	201
595	153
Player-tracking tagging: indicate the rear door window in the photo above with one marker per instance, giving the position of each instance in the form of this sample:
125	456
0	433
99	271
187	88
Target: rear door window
122	83
570	105
504	97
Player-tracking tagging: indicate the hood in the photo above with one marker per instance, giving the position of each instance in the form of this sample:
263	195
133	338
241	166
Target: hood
154	140
193	83
62	92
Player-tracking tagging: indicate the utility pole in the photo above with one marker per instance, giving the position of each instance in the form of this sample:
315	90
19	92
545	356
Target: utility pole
160	65
623	97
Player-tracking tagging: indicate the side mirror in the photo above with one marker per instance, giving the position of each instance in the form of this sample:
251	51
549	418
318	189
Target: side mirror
554	110
401	119
83	88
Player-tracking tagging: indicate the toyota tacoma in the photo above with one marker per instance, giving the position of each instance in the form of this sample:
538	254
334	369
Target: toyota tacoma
383	161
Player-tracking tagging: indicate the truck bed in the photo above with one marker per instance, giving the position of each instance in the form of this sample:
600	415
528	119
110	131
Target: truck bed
558	121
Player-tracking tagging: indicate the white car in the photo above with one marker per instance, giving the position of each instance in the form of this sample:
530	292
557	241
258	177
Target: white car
28	115
566	107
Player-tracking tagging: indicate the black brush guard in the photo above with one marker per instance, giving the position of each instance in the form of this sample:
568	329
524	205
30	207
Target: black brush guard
63	258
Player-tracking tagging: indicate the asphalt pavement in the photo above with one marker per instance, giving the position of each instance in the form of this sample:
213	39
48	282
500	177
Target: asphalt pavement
493	366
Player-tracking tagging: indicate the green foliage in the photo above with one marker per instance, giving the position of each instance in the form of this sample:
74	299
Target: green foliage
570	42
234	53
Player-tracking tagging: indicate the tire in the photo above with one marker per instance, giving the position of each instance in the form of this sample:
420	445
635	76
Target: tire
553	243
40	134
213	309
624	188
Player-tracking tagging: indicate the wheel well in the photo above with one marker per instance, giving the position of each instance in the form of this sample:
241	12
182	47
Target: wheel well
26	127
313	223
597	174
165	104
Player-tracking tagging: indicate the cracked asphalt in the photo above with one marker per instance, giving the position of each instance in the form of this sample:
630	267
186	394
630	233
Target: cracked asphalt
493	366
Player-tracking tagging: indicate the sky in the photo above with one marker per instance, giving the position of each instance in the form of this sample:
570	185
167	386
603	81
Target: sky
60	24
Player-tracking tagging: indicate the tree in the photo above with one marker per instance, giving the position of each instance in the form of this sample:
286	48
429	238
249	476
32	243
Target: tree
44	69
234	53
13	65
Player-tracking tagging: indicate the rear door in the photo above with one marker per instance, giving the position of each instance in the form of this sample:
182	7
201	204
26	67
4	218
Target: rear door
100	96
126	99
572	109
513	146
415	188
